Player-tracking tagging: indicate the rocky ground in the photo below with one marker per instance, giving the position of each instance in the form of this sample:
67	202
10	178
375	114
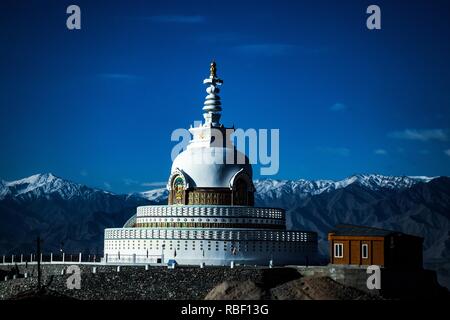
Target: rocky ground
182	283
304	288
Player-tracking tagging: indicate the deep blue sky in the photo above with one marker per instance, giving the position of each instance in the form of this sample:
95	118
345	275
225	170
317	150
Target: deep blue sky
98	105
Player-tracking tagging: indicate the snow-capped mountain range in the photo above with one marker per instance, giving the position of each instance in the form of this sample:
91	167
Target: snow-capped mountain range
313	187
45	184
157	195
62	211
270	188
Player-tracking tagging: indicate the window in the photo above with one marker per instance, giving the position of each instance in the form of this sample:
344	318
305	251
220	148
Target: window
178	187
365	251
338	250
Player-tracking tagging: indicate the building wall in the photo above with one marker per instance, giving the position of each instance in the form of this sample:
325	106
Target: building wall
378	254
211	196
135	246
394	251
345	259
352	250
206	224
404	251
194	252
200	216
355	252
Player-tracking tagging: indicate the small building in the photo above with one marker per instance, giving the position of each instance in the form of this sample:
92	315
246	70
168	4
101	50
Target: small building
360	245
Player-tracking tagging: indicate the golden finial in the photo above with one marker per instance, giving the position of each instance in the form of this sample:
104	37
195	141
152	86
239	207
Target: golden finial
213	70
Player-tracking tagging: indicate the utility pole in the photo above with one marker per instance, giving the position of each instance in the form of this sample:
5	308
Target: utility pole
38	254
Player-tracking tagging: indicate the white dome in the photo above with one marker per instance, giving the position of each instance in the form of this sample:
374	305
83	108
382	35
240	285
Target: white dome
206	167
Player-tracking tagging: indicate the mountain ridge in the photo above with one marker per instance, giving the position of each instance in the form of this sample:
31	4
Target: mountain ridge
45	184
65	211
49	183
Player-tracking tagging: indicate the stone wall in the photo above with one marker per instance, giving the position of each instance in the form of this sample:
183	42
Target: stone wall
395	283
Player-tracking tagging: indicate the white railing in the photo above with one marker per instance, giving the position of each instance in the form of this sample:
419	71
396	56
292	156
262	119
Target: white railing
205	210
80	258
132	259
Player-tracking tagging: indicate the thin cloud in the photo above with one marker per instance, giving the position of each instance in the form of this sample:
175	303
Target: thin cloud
83	173
342	152
447	152
153	184
338	107
130	182
423	135
184	19
380	152
107	185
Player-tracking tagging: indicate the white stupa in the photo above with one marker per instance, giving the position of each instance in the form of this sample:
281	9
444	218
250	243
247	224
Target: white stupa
210	218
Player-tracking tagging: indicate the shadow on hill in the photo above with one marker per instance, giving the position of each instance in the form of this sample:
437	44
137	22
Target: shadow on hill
274	277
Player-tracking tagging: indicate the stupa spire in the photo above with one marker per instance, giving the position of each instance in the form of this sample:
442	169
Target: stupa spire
212	105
